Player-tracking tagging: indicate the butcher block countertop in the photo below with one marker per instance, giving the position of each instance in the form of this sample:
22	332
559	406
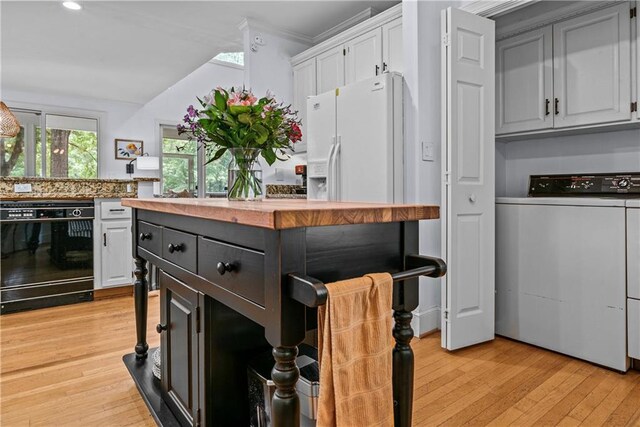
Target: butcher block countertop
282	214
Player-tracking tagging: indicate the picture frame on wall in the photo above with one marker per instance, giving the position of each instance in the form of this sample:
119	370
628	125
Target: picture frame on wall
128	149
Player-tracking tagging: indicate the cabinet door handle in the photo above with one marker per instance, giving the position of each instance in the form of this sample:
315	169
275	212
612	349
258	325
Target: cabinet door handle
377	69
175	248
223	267
384	67
145	236
546	107
116	210
557	103
160	327
104	239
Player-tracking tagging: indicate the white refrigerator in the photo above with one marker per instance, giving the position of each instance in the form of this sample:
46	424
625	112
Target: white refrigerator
355	147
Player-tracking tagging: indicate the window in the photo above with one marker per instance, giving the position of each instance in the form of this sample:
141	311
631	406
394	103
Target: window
68	149
236	58
180	171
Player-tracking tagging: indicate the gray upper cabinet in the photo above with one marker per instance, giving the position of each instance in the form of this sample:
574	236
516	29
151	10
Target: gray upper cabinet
572	74
524	82
592	65
364	56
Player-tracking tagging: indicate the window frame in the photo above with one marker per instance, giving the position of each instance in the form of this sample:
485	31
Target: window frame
44	110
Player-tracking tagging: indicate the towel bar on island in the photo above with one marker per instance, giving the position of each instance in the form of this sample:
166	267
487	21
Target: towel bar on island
312	293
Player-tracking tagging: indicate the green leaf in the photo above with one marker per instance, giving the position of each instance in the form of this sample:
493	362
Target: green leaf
244	118
269	156
263	133
221	103
217	155
239	109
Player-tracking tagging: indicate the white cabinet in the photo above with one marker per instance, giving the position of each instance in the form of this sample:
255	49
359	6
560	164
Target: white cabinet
392	46
113	262
364	56
633	253
330	66
304	85
116	253
633	328
524	82
592	81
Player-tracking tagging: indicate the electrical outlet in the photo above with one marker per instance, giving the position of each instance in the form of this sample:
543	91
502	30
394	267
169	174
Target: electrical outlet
22	188
129	188
428	149
279	174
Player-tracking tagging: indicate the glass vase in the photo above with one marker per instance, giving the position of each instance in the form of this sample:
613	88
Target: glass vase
244	175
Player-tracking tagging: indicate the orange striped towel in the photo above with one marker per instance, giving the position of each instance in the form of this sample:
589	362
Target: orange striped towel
355	345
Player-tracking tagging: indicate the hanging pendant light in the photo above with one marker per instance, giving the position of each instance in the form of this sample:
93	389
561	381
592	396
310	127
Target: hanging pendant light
9	126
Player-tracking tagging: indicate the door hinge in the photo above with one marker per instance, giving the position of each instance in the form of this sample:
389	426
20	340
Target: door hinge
633	12
446	39
447	176
344	52
197	320
634	106
445	314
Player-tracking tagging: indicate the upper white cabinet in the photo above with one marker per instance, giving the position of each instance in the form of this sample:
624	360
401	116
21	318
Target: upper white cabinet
330	65
364	56
304	85
573	73
365	50
524	82
592	61
392	46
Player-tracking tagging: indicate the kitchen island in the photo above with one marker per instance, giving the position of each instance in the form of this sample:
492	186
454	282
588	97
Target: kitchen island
239	277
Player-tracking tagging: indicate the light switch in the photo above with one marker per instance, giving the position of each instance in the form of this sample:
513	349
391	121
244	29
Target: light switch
22	188
428	149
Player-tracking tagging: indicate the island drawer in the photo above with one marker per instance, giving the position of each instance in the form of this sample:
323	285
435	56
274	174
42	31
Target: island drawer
150	237
180	248
237	269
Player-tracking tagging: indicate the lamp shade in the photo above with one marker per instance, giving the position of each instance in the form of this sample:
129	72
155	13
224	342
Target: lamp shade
148	163
9	126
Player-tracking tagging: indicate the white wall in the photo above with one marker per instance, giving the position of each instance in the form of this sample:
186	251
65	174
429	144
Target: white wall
132	121
422	109
270	69
598	152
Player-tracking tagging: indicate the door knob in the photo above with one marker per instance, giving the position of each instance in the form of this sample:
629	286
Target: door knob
472	198
145	236
160	327
223	267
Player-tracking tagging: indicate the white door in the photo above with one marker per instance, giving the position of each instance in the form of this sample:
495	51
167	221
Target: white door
304	85
592	81
116	253
364	56
330	66
524	82
321	137
364	154
468	214
392	46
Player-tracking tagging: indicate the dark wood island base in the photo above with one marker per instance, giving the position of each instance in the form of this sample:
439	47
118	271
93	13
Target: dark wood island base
239	277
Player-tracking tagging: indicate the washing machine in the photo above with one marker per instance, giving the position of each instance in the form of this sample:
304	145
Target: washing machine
567	266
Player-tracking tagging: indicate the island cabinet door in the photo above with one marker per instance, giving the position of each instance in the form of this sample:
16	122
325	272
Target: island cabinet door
179	326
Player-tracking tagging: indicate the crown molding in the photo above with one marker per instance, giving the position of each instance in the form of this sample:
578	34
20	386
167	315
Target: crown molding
252	24
348	23
378	20
492	9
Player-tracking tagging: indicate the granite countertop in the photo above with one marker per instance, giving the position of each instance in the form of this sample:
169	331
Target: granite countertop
71	188
283	214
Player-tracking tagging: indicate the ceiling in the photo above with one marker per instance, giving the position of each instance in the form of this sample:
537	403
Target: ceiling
134	50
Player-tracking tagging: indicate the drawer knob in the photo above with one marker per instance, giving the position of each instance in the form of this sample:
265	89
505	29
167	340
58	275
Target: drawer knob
223	267
176	248
160	327
145	236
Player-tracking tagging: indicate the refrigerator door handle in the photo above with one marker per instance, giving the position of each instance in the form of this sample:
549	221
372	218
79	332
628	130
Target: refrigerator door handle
336	171
329	183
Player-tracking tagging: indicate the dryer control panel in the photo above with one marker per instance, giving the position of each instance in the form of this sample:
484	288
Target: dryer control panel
587	185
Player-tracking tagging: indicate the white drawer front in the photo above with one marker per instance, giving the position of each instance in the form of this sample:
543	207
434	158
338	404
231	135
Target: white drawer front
114	210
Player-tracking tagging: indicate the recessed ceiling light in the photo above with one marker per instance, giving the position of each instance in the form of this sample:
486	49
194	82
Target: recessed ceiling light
72	5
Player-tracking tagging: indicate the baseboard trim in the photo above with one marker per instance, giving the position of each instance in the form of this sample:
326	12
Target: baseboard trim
119	291
426	322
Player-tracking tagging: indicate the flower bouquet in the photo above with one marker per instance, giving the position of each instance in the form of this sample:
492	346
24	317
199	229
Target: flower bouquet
248	127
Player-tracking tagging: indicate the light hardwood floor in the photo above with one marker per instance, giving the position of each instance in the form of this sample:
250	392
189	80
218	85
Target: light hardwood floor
62	367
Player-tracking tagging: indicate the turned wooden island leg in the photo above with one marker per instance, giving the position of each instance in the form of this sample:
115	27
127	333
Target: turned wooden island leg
402	369
285	373
141	293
